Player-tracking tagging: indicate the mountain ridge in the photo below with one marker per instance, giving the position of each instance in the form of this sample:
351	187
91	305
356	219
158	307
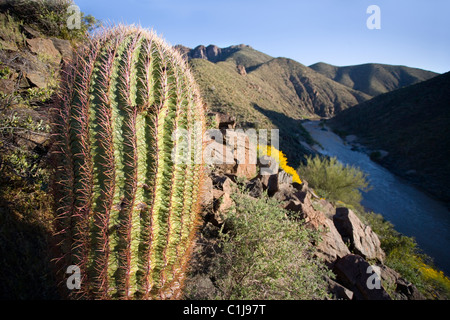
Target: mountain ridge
374	78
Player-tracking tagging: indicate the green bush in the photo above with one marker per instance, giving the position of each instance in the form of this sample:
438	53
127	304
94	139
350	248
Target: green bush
50	17
266	255
334	181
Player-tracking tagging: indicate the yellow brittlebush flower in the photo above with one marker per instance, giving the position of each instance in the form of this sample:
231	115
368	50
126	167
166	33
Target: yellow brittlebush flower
430	273
281	159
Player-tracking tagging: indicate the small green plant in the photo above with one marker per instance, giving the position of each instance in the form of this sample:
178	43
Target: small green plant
334	181
4	71
266	255
39	95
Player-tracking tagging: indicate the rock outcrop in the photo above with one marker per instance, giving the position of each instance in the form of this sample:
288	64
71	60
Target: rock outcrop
232	152
360	237
211	53
355	274
241	70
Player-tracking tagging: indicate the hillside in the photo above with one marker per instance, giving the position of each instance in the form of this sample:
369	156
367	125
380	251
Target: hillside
284	81
266	92
373	78
413	125
242	54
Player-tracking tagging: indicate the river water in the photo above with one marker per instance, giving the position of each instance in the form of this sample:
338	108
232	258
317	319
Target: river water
412	212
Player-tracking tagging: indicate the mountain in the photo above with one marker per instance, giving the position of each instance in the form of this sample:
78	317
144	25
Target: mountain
287	81
413	125
266	92
373	78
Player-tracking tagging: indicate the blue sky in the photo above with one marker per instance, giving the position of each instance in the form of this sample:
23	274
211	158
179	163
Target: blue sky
413	33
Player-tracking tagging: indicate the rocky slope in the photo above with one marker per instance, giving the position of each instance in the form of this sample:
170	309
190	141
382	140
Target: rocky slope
347	246
373	78
412	125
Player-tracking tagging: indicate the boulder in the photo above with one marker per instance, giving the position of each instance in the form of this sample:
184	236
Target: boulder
45	48
255	188
270	183
222	202
236	154
330	247
268	174
30	32
285	192
244	152
218	179
223	121
245	170
353	272
362	239
220	156
407	290
7	86
64	47
284	178
401	289
207	192
268	166
228	186
338	291
326	207
312	217
37	78
241	70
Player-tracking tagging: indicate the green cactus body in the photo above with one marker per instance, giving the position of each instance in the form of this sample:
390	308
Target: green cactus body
127	208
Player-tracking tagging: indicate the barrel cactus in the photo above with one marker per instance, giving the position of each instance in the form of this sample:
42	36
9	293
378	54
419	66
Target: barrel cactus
127	209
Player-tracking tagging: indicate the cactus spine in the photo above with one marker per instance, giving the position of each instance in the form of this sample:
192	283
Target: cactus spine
127	212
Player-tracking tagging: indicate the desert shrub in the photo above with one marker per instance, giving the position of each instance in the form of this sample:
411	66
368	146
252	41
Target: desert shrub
50	17
266	255
333	180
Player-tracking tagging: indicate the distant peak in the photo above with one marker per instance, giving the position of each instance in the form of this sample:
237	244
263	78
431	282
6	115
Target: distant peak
212	52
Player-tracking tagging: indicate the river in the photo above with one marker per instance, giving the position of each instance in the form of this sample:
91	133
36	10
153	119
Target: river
412	212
